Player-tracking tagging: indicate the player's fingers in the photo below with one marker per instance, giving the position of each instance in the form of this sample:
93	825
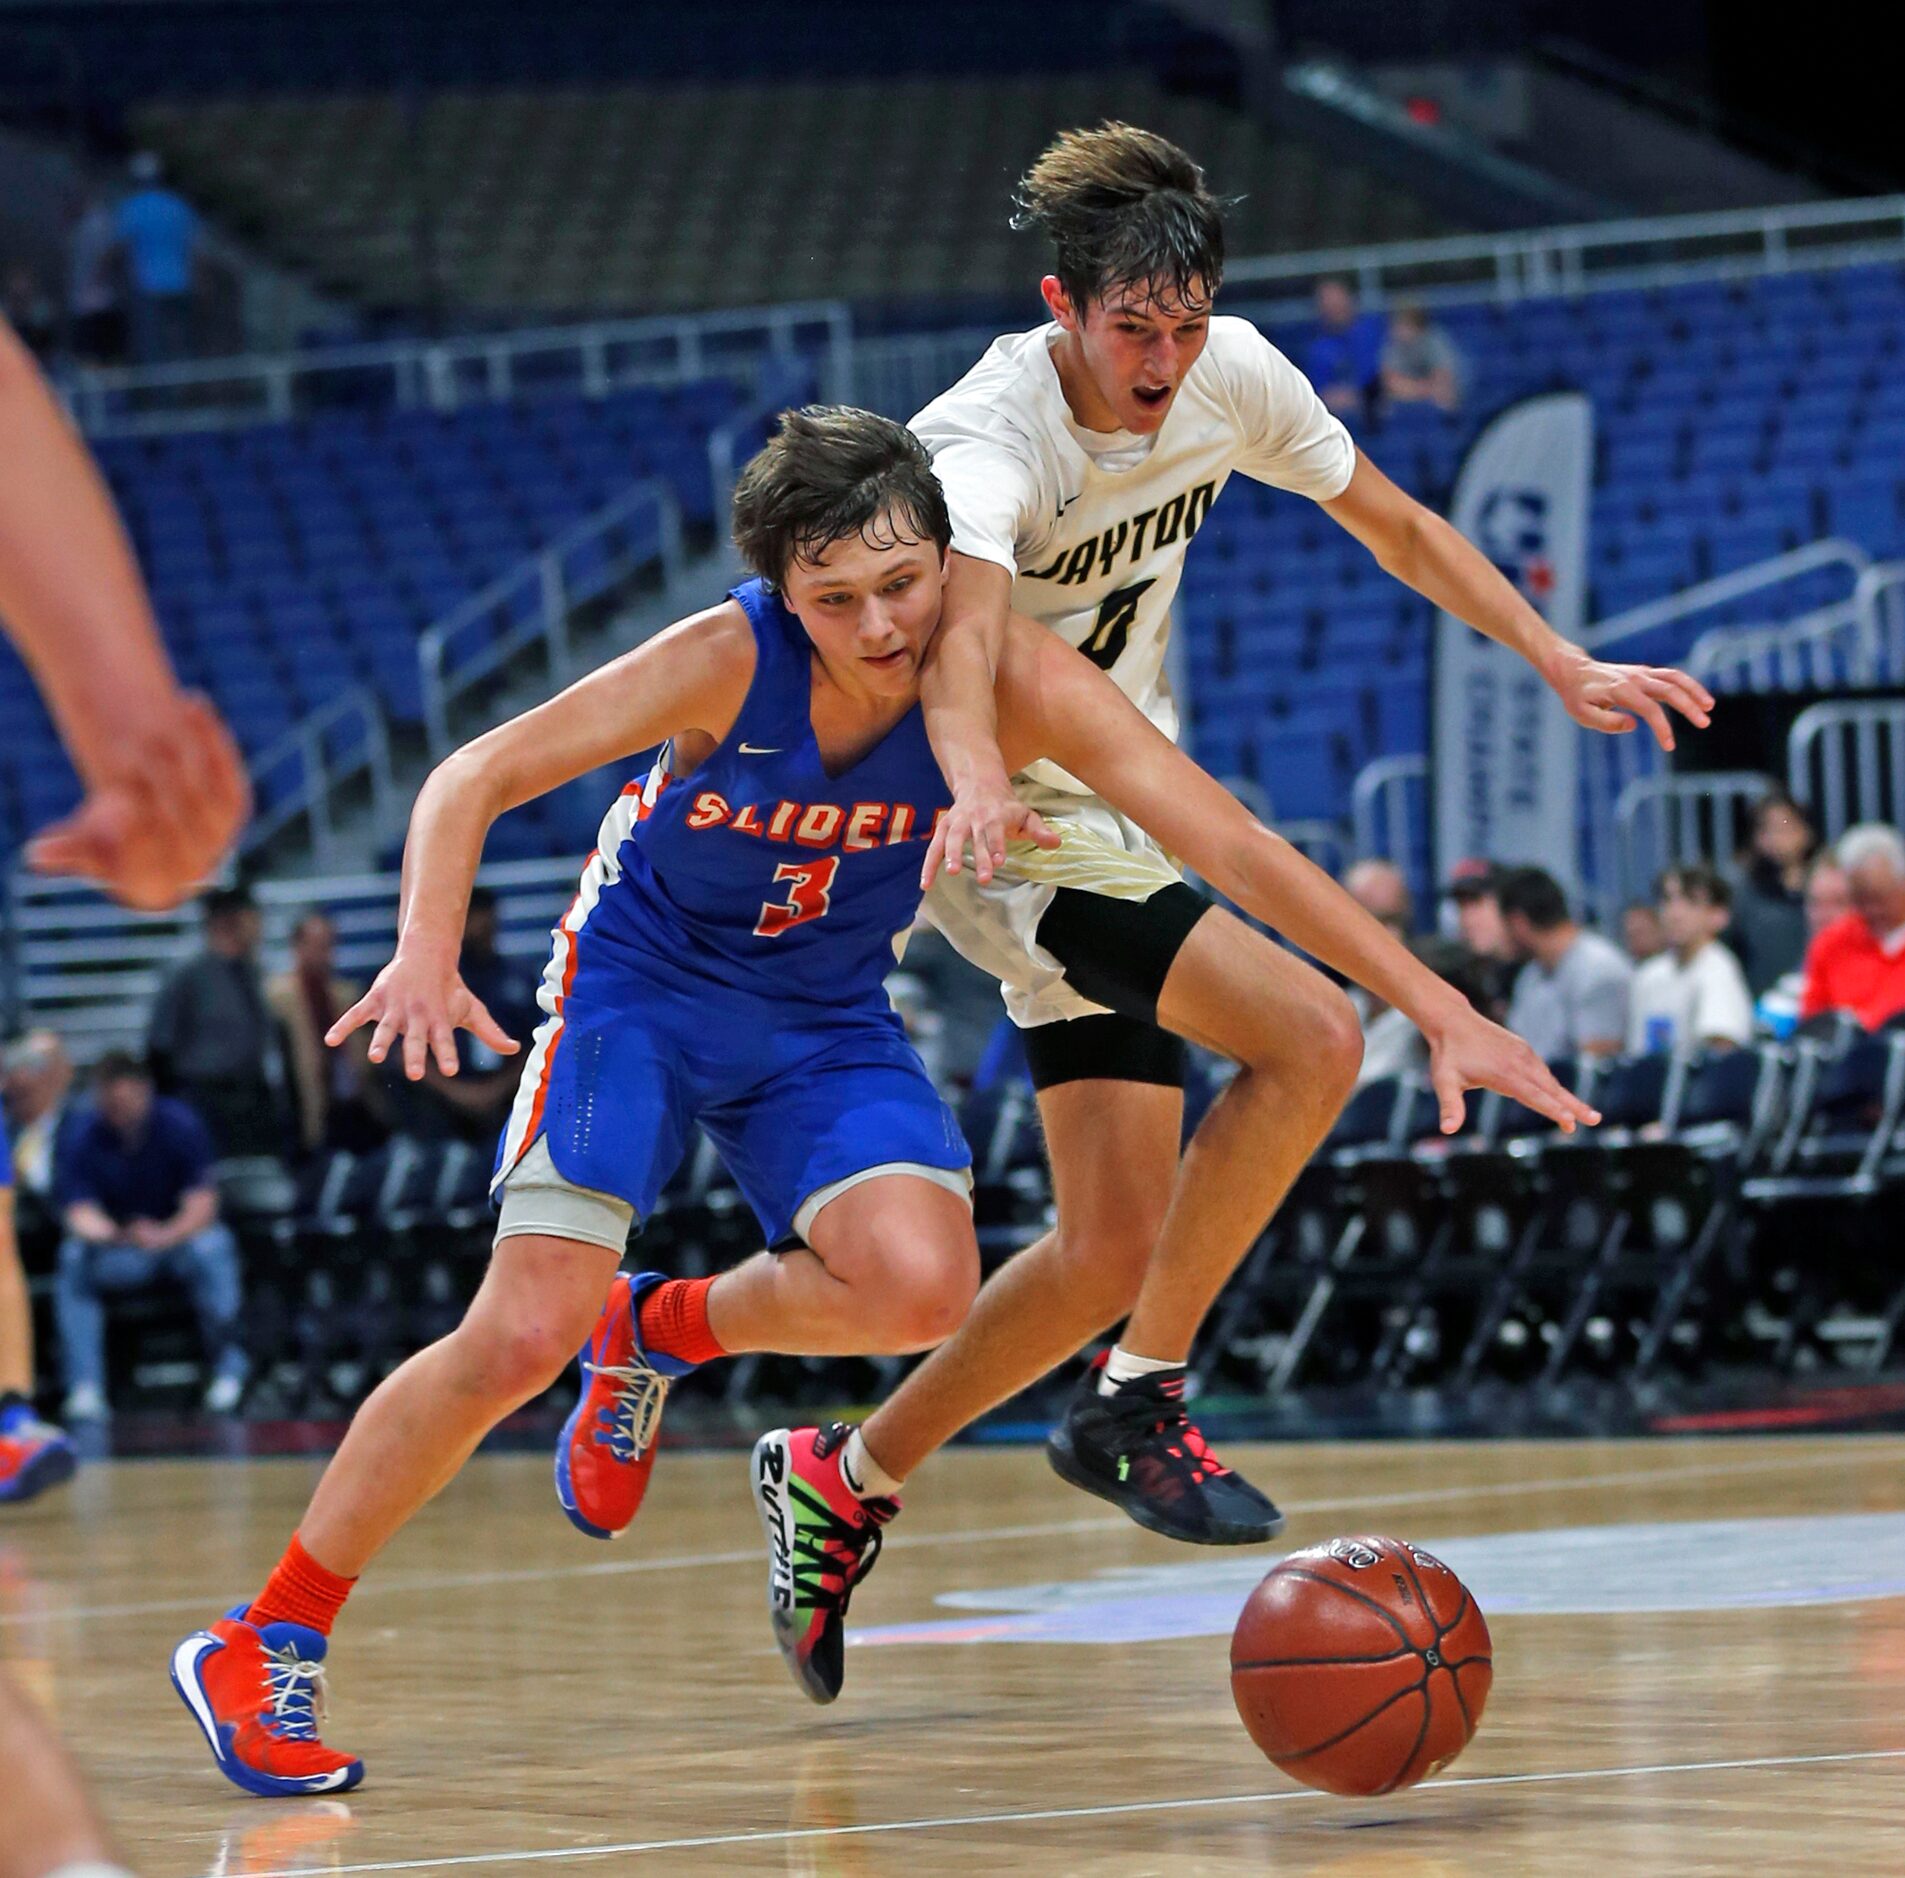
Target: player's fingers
1643	704
481	1024
443	1046
416	1051
383	1037
355	1018
935	855
1599	717
1688	692
73	846
1034	827
1448	1099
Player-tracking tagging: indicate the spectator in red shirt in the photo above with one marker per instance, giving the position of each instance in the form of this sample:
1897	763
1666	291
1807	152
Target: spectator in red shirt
1857	963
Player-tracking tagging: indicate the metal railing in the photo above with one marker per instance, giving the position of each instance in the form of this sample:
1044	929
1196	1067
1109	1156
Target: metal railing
1858	642
1593	257
445	374
1389	806
1669	821
90	968
533	601
1847	759
301	775
897	374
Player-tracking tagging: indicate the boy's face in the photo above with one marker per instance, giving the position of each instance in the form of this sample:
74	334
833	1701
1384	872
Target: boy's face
1138	344
870	605
1688	919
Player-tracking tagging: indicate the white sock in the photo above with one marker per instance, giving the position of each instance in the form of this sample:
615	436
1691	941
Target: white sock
1122	1366
868	1479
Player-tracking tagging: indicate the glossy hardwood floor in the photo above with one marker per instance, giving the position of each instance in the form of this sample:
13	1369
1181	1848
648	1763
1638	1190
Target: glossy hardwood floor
532	1701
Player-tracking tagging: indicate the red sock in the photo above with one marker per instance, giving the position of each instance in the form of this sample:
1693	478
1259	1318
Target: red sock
673	1321
300	1591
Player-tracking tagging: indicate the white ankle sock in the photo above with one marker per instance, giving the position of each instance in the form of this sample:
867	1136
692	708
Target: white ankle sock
868	1479
1122	1366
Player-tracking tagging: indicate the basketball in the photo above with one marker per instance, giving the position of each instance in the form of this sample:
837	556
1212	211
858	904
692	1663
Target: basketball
1361	1666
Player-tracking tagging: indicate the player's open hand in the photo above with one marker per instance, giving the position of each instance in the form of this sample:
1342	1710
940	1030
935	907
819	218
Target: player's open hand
1602	696
983	818
1468	1052
158	825
425	1006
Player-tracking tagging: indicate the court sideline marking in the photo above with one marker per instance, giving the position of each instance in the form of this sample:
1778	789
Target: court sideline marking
947	1821
989	1535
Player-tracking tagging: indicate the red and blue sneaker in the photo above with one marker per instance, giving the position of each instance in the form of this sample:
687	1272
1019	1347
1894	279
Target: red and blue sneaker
258	1694
606	1450
34	1455
822	1539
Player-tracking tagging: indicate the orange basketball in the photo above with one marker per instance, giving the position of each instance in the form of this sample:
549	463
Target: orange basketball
1361	1666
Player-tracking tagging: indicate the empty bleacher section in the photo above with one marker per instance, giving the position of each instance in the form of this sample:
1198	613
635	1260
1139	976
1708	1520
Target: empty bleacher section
1735	421
652	197
292	562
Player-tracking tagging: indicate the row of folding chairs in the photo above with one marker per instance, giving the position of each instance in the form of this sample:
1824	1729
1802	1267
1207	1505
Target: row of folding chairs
1401	1256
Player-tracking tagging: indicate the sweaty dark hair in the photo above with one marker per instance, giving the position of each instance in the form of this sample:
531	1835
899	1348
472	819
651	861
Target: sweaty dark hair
829	473
1534	893
1123	207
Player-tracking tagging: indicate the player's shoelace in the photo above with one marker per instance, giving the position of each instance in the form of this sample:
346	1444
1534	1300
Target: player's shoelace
297	1694
1162	1422
630	1421
831	1554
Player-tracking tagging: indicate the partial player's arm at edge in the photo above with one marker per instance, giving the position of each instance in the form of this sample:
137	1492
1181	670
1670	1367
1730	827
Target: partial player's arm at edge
1426	552
956	700
1055	703
692	676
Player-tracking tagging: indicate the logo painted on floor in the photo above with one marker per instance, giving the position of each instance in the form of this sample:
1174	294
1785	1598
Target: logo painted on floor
1702	1565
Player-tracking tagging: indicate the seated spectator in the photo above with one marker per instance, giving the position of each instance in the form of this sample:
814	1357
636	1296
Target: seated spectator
1344	360
1828	895
1693	995
1391	1044
209	1036
42	1113
1857	964
1478	924
135	1187
1641	931
1571	994
337	1100
1769	910
1420	364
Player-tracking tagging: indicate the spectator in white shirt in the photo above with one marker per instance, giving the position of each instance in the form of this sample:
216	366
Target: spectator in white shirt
1693	996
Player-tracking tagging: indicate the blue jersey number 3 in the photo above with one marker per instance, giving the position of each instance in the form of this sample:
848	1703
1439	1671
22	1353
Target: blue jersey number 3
809	897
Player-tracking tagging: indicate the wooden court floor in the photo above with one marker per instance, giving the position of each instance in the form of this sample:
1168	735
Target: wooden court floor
531	1701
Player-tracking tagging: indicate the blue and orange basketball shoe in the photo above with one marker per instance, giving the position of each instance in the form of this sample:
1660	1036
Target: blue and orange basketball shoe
606	1450
822	1539
34	1455
258	1694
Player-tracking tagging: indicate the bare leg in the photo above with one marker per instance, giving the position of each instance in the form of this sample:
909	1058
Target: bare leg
1296	1037
16	1311
537	1305
49	1820
1113	1149
893	1267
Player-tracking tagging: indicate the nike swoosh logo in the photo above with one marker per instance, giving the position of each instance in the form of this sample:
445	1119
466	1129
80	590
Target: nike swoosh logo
760	749
185	1660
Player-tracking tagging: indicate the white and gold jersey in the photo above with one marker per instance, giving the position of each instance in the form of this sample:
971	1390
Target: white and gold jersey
1093	526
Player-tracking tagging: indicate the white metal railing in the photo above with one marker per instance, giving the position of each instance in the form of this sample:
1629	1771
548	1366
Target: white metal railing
1383	807
444	374
1668	821
1847	759
1601	256
533	601
90	968
897	374
1858	642
301	775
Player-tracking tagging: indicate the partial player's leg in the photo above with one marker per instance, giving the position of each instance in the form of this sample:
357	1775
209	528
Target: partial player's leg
252	1680
1113	1149
1126	1436
34	1455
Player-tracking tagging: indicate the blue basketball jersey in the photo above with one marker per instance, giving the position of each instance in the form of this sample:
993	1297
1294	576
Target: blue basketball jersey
758	869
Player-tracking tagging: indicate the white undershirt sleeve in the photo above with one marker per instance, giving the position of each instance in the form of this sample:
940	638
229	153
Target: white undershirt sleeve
1291	438
991	494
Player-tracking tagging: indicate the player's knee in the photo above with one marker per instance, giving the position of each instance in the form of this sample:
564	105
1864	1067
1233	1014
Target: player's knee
930	1303
513	1361
1338	1044
1104	1262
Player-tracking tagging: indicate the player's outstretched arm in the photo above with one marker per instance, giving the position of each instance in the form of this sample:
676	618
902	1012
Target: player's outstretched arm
165	790
1055	703
1427	553
956	698
692	677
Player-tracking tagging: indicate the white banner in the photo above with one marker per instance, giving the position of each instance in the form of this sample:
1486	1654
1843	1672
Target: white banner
1504	755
